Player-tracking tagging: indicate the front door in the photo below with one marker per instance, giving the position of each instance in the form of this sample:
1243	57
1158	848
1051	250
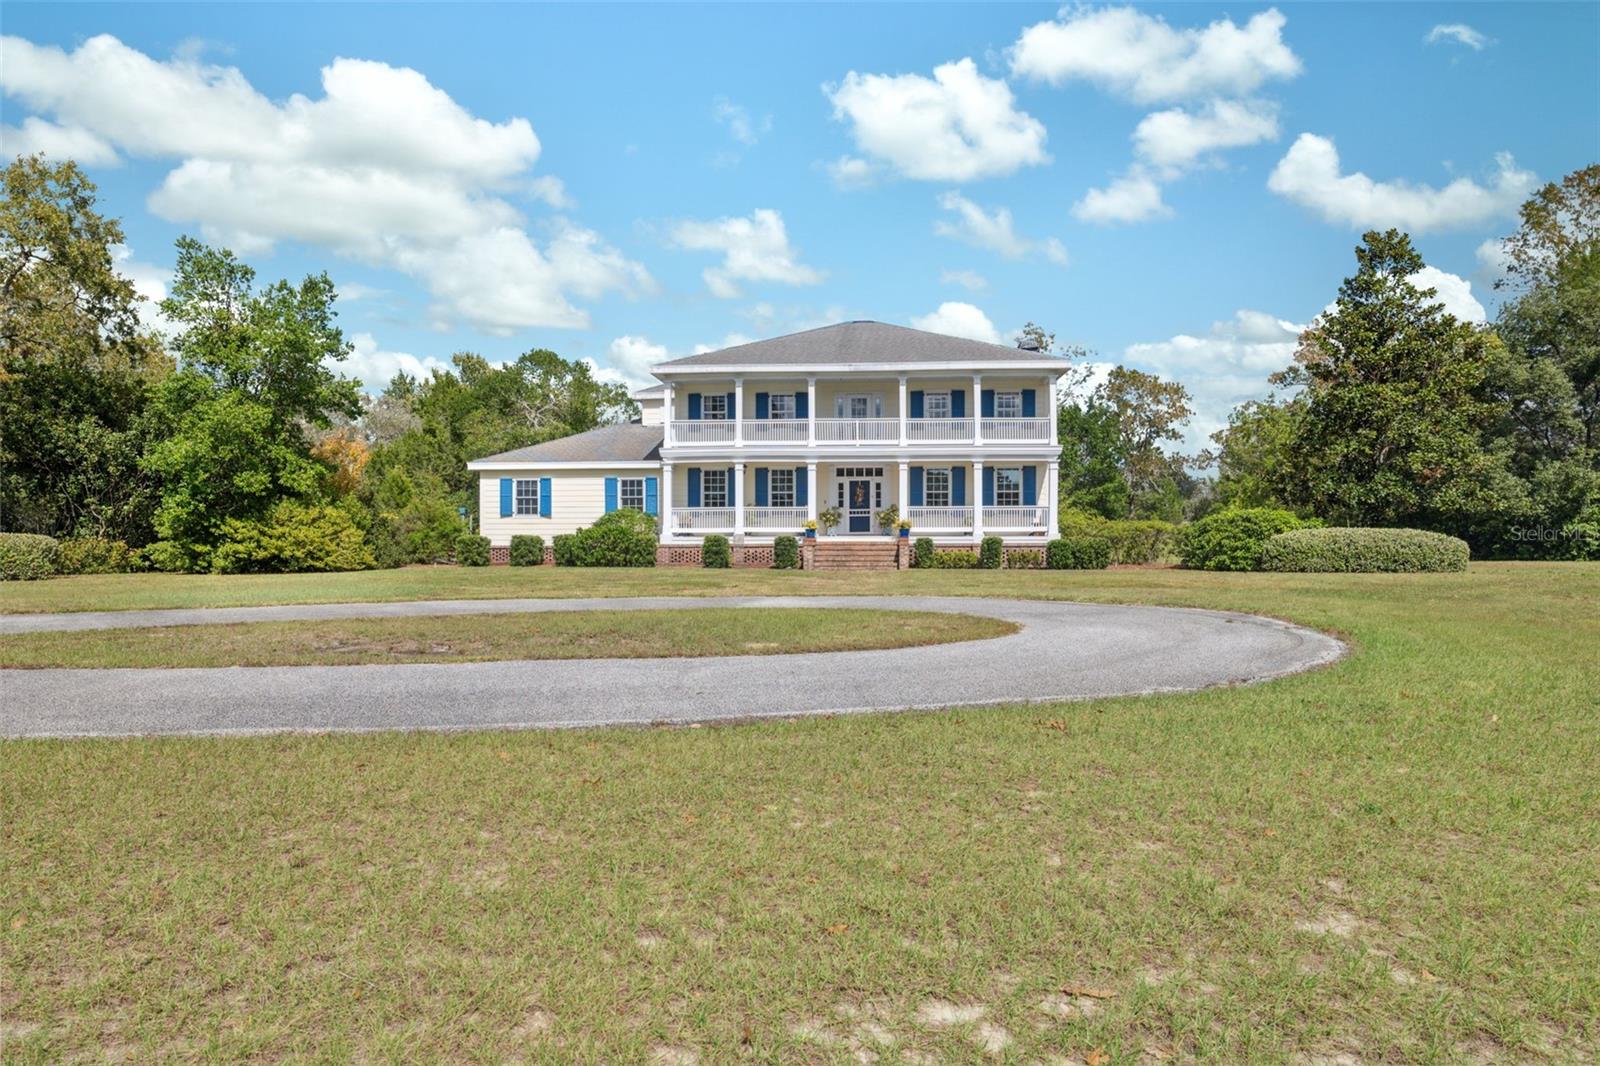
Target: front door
858	498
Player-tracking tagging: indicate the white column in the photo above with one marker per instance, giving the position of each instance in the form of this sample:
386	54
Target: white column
977	499
737	489
811	413
664	504
977	408
1054	481
738	412
811	491
902	425
666	415
1055	420
903	500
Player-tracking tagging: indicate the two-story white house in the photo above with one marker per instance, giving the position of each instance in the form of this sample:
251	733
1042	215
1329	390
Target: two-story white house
755	440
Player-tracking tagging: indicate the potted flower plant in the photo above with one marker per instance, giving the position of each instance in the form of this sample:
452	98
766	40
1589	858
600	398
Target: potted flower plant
828	518
905	527
888	518
810	527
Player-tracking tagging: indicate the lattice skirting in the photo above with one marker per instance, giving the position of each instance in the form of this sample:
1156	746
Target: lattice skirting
502	556
749	556
677	555
1024	558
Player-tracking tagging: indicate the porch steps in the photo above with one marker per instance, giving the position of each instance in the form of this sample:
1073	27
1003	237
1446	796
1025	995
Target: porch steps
866	554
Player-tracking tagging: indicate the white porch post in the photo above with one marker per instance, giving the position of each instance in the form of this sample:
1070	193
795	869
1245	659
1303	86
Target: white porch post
903	499
666	415
977	408
902	425
737	495
1054	481
738	412
1055	420
977	499
811	491
811	415
665	504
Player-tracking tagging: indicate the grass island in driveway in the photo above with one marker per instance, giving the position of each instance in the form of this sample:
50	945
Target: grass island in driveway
1392	858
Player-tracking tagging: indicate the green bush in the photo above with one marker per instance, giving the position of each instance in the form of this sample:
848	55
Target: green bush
922	553
472	550
1133	542
1581	536
785	553
955	559
1078	553
564	549
294	537
1233	539
714	552
97	555
28	556
991	553
1359	551
526	550
619	538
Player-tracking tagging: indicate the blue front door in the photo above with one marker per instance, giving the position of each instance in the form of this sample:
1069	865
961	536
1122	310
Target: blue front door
858	496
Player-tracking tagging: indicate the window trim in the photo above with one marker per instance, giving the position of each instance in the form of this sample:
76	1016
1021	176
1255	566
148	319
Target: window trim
721	399
774	476
1014	397
928	399
706	490
928	488
773	406
998	471
532	498
622	492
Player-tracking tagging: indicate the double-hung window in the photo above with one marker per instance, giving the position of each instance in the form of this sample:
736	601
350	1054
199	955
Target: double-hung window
780	490
630	493
936	405
1008	405
527	496
714	407
714	488
936	486
859	406
780	405
1008	486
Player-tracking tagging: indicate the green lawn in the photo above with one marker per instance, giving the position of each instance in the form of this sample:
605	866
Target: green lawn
1397	857
483	637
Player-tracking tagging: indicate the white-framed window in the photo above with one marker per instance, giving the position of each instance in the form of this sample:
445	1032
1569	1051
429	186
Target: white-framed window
936	486
780	488
527	496
1008	486
630	493
714	488
860	406
1008	405
936	404
714	407
780	405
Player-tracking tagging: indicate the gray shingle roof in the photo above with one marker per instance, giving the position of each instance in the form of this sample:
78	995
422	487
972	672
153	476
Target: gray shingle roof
861	342
628	442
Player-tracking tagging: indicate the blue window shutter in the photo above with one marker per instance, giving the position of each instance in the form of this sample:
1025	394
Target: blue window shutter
762	406
694	486
694	407
761	486
505	497
988	486
1030	403
988	403
611	494
1030	485
544	497
735	495
651	493
802	409
916	403
958	486
916	486
958	403
732	400
801	496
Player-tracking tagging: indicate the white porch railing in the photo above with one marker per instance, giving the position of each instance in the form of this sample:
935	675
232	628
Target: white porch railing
702	519
775	429
939	517
1016	429
788	519
858	430
1036	517
698	432
939	429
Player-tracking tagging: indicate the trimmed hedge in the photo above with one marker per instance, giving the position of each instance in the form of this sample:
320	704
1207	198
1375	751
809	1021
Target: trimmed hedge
564	549
785	553
293	538
1078	553
526	550
714	552
922	553
1133	542
621	538
28	556
991	553
472	550
98	555
955	559
1233	539
1343	550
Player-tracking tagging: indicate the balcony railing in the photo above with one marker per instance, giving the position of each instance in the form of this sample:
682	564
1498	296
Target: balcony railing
702	519
698	432
939	517
788	519
858	430
1002	430
786	430
939	429
1030	517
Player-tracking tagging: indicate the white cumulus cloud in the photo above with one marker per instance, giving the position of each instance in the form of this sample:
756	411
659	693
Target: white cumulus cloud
1134	197
956	126
1453	291
993	231
1176	138
375	367
1458	33
755	248
632	357
36	136
1310	175
957	319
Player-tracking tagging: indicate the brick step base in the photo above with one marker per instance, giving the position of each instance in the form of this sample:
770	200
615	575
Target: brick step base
857	555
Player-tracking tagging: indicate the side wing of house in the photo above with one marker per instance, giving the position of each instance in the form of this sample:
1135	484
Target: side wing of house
550	498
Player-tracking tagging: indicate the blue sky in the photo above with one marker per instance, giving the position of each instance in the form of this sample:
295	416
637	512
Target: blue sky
1176	187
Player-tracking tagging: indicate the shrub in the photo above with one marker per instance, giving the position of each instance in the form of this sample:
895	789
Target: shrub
472	550
785	553
1024	559
564	549
714	553
1358	551
97	555
991	553
922	553
28	556
526	550
955	559
1078	553
1233	539
294	537
1133	542
619	538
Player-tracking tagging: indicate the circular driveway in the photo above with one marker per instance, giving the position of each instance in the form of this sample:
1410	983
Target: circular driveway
1064	651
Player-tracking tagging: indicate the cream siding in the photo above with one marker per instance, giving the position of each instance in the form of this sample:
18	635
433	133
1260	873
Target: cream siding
652	412
577	498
